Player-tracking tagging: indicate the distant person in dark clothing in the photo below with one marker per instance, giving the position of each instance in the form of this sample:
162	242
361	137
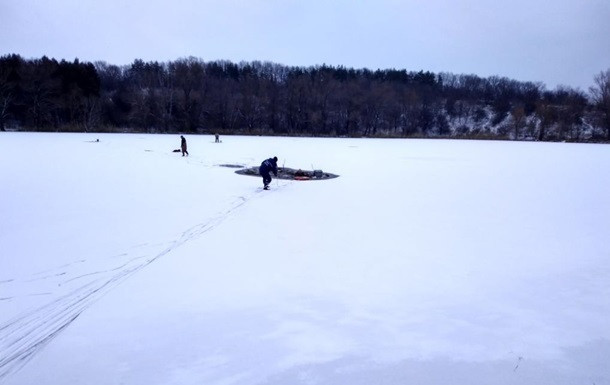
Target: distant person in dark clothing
217	138
183	146
268	166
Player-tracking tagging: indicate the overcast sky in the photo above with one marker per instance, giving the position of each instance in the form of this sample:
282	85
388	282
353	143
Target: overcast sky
557	42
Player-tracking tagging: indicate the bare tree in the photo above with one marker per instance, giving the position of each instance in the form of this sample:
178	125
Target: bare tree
601	97
518	120
546	117
9	82
6	96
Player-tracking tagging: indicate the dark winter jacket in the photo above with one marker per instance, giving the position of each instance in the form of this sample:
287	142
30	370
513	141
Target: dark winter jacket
268	165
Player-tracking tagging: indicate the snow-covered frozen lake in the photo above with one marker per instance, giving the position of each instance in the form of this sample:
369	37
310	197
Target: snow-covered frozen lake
425	262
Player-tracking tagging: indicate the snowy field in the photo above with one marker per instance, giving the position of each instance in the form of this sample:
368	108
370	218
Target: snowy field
425	262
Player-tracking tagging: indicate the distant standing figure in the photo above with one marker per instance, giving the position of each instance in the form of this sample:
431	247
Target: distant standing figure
268	166
183	146
217	138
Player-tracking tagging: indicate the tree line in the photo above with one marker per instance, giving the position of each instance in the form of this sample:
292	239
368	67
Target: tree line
190	95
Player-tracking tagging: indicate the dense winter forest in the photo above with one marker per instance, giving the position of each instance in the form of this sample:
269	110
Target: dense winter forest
193	96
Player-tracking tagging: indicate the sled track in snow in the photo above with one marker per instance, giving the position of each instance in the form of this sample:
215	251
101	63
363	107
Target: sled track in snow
26	334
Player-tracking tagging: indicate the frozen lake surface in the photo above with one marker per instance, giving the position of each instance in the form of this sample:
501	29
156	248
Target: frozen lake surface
425	262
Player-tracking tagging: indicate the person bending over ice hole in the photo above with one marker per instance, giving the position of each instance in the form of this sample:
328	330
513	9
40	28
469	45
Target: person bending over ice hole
268	166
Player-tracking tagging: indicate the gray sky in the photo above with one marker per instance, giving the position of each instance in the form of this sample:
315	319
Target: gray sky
557	42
